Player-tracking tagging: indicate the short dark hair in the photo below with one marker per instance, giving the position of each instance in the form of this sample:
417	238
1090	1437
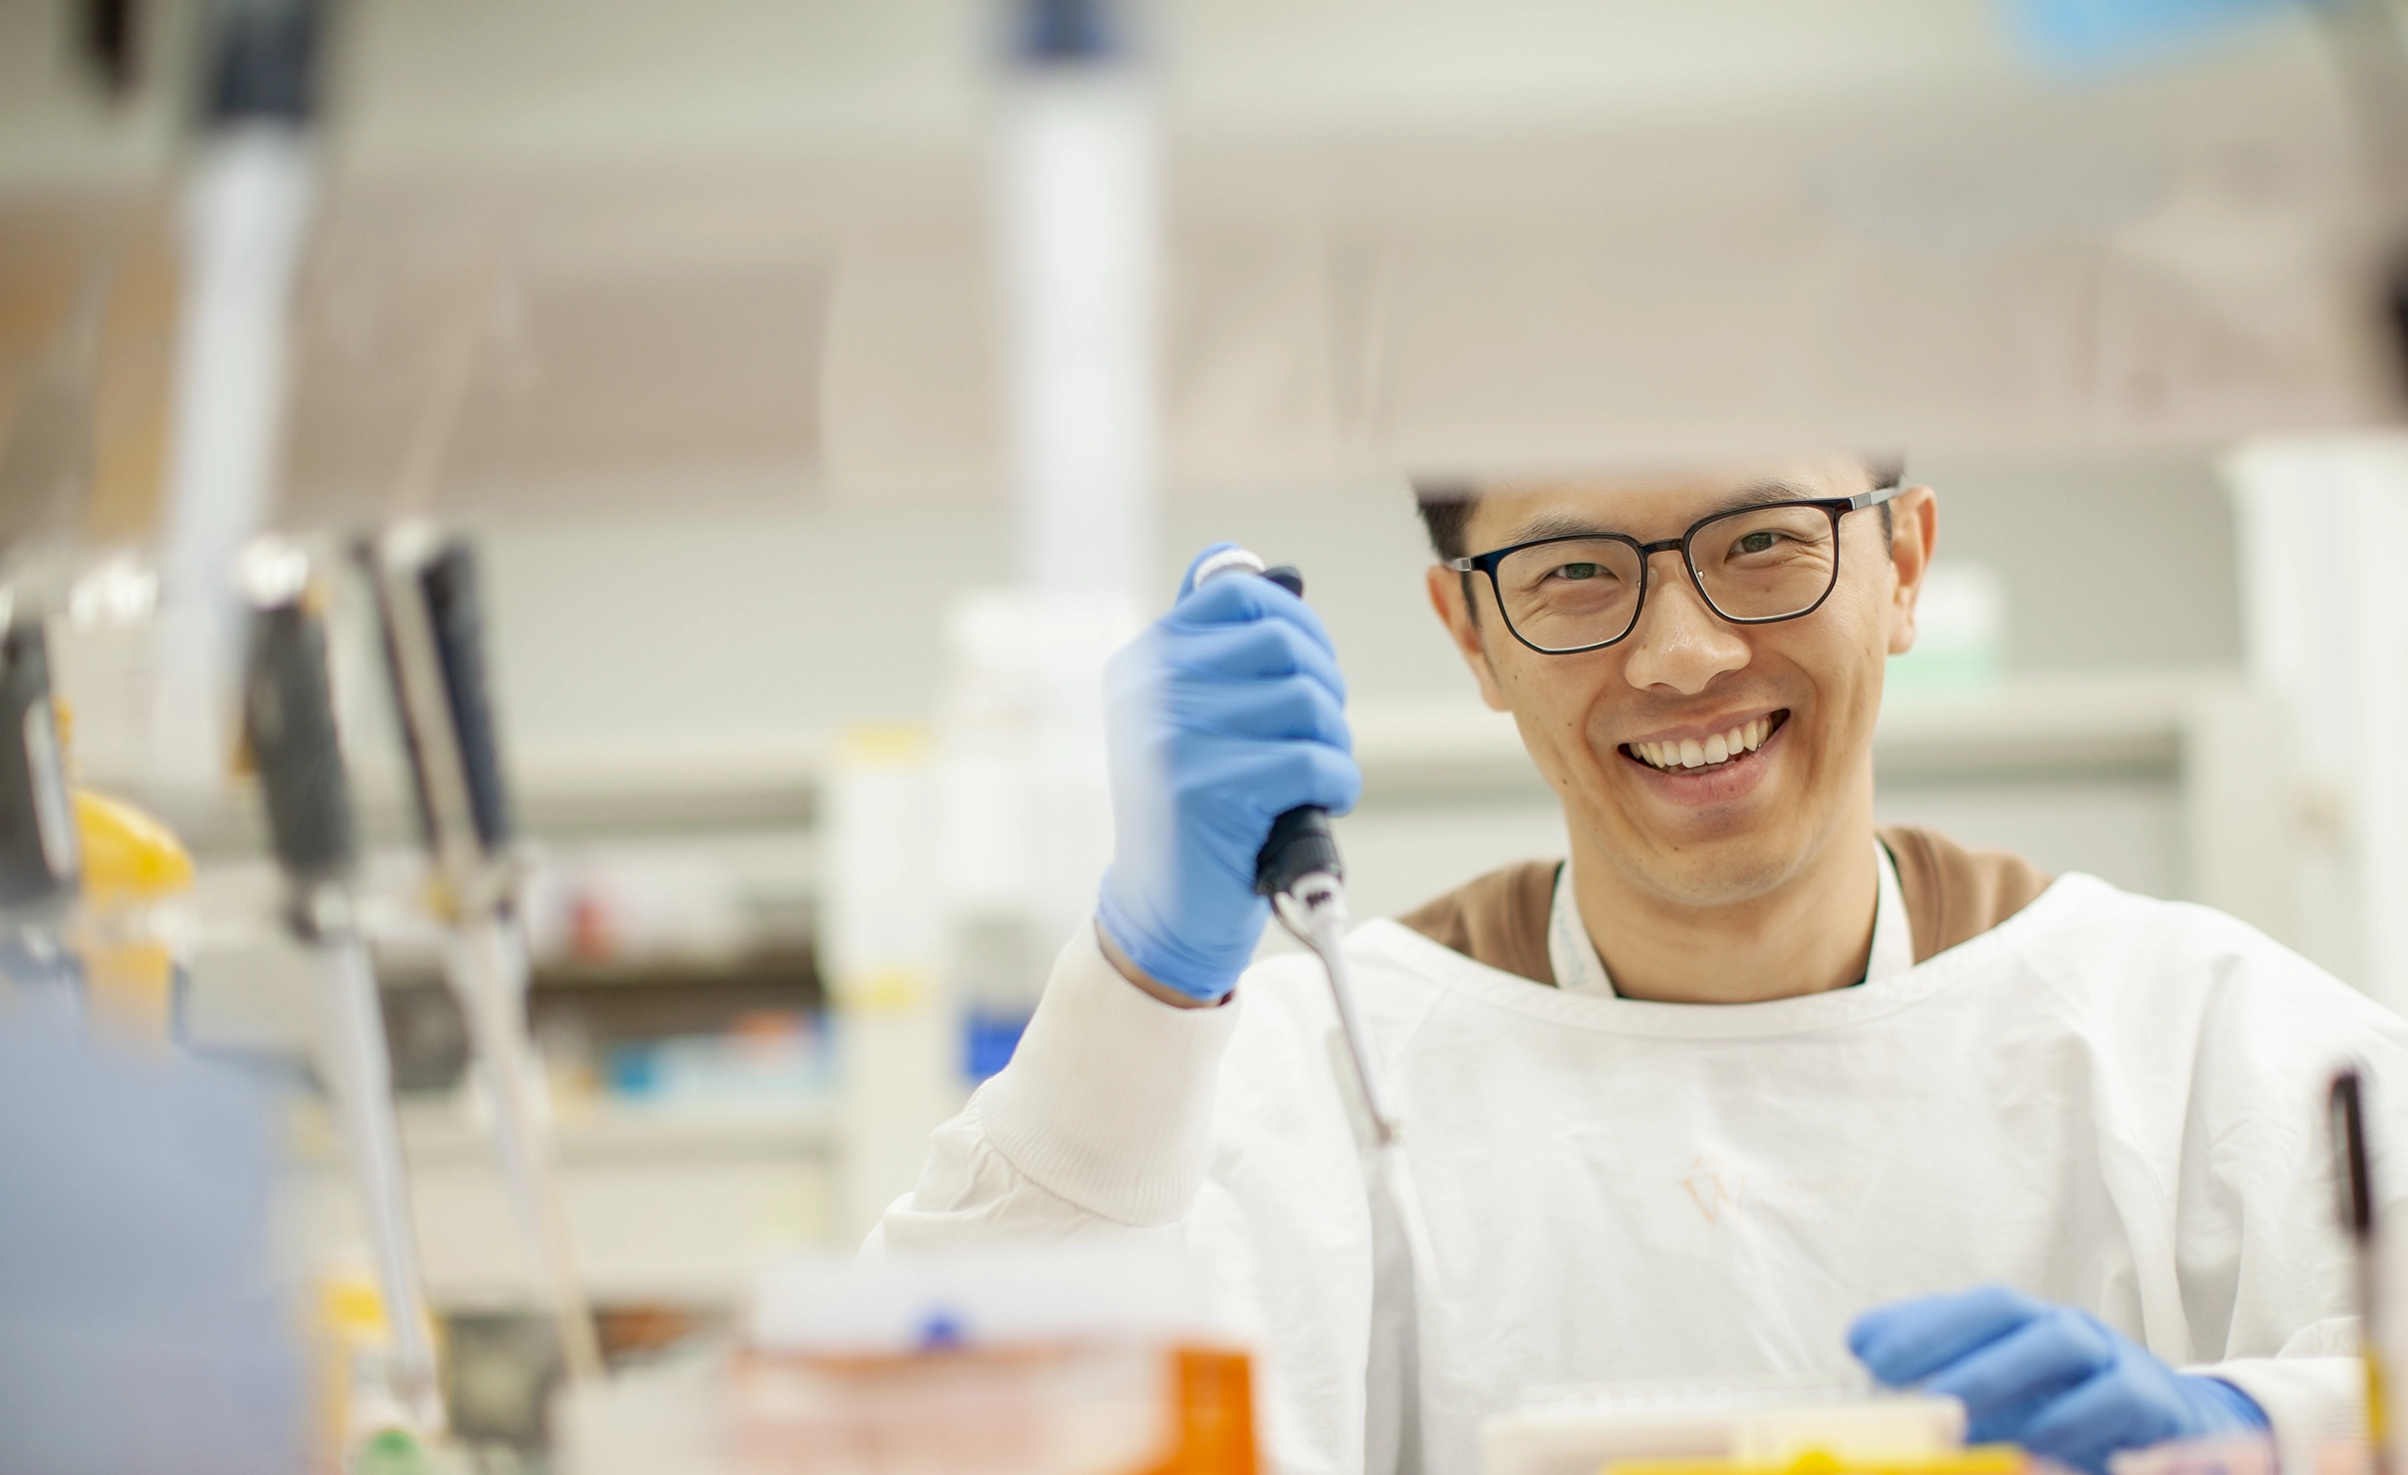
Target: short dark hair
1446	506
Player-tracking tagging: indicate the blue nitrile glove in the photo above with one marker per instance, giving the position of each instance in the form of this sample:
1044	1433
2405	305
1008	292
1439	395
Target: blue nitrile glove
1224	715
2055	1380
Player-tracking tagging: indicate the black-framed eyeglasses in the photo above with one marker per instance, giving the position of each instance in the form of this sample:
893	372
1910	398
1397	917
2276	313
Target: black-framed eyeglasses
1756	566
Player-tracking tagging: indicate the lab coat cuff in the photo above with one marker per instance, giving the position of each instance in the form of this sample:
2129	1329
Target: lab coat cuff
2309	1401
1108	1100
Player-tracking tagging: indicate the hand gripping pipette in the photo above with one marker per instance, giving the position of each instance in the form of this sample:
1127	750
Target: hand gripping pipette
288	714
1299	870
427	599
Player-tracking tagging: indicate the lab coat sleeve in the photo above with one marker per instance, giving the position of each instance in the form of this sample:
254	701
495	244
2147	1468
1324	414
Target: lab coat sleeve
1103	1121
2309	1401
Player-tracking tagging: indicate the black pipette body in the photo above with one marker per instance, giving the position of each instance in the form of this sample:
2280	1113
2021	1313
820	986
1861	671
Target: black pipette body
288	710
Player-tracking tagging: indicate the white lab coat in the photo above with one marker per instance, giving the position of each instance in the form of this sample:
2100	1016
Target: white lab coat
2107	1100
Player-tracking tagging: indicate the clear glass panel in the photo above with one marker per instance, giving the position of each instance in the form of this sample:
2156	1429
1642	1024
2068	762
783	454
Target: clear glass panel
1562	596
1767	561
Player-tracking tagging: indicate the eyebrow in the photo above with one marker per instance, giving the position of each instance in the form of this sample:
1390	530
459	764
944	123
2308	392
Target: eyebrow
1573	525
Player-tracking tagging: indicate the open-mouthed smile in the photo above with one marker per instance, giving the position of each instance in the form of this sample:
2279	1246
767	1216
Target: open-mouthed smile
1712	751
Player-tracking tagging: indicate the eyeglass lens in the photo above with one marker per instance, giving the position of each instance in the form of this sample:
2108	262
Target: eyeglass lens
1762	563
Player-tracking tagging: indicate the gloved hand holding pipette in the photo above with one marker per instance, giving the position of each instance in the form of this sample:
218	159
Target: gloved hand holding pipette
1226	714
2051	1378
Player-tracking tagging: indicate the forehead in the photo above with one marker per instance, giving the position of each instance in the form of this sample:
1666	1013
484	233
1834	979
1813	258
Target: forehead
1650	504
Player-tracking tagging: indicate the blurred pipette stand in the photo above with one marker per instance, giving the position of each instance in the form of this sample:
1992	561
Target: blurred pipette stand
428	601
290	723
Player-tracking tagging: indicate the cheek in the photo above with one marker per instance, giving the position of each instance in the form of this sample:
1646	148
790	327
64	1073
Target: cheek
1843	661
1558	690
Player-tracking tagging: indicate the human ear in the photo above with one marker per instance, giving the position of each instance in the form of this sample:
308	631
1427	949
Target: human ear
1914	530
1455	612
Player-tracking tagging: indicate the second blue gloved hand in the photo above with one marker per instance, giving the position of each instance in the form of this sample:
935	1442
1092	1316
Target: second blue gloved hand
1228	712
2055	1380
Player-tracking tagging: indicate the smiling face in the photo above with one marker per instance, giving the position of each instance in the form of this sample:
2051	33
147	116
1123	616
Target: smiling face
1704	763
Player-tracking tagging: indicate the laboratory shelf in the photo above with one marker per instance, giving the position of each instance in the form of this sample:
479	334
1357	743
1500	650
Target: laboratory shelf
681	1206
447	1130
2129	721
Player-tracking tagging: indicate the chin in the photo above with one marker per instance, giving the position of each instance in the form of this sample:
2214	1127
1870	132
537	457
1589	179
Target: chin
1724	869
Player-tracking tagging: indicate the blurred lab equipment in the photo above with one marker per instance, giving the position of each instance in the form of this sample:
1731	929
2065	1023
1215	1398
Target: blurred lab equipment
2353	1176
1023	809
247	206
1026	813
2325	629
131	935
432	618
139	1329
41	859
94	886
880	949
290	726
765	1058
133	927
1078	218
1054	1360
1764	1423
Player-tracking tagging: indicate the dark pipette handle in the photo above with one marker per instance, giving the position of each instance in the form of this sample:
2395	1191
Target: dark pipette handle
431	610
288	715
2349	1145
456	616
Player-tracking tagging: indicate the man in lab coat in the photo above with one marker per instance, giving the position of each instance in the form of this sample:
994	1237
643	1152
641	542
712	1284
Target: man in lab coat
1741	1086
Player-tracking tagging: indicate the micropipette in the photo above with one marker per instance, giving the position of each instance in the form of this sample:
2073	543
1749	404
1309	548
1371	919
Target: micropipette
1299	870
427	599
288	711
2356	1180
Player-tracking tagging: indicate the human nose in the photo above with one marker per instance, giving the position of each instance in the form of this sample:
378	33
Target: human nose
1679	641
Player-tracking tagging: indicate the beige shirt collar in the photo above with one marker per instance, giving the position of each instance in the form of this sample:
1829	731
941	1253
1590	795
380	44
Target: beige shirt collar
1579	970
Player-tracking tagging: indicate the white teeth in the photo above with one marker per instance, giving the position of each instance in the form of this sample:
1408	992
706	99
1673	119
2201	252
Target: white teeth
1747	737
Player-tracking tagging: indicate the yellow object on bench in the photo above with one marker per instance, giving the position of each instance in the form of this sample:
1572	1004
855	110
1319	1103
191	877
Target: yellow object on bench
1980	1459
